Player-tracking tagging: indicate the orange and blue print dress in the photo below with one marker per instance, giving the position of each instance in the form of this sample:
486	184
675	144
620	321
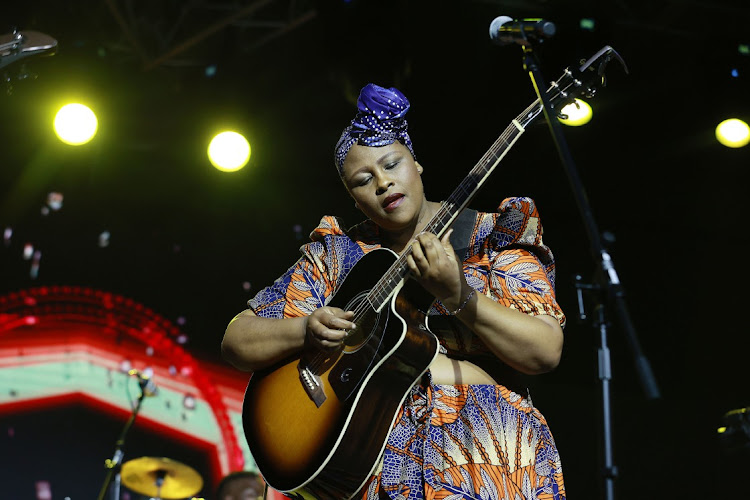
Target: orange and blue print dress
450	441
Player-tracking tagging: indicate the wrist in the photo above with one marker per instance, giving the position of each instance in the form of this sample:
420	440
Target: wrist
463	303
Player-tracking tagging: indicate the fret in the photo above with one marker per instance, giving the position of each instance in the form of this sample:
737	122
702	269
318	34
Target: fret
560	92
449	210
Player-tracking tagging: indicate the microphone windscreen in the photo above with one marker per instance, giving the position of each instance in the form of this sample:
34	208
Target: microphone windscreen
496	24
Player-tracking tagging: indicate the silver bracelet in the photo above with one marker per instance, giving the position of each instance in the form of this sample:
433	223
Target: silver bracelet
463	304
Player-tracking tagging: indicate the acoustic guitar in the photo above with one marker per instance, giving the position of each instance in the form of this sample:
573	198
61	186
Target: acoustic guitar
317	424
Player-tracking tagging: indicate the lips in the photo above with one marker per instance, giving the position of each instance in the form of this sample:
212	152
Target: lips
392	201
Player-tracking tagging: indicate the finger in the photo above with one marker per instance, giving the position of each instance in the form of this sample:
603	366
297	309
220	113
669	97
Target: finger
413	266
329	339
445	241
331	335
417	250
336	318
336	323
432	245
433	250
418	256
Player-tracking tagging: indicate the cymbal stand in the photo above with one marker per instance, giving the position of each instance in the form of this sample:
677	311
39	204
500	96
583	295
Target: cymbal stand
160	475
112	479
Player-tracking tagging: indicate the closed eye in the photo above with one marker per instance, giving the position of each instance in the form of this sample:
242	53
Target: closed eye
364	181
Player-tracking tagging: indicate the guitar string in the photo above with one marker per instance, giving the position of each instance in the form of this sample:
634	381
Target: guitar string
398	268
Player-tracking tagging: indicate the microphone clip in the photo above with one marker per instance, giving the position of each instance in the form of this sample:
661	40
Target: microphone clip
505	30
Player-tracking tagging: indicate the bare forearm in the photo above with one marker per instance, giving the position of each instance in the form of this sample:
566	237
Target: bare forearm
251	343
530	344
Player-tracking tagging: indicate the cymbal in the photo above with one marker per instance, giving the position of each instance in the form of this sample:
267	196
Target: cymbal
144	474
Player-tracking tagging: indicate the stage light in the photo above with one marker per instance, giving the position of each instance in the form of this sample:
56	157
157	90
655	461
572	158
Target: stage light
75	124
229	151
104	239
576	113
189	402
733	133
55	200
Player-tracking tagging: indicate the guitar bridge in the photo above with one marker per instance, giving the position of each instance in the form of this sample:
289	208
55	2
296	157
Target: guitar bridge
312	384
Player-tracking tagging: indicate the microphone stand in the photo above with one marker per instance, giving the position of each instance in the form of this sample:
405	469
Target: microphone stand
609	284
113	465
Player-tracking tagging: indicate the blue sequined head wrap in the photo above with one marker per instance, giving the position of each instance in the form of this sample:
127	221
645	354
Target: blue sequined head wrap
379	122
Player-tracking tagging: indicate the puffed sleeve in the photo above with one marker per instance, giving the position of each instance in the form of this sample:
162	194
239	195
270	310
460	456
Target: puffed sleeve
521	266
314	278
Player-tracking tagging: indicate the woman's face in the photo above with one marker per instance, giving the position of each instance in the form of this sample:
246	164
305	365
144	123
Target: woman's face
385	183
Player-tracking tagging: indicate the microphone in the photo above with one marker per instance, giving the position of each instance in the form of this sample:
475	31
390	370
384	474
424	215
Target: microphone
505	30
146	383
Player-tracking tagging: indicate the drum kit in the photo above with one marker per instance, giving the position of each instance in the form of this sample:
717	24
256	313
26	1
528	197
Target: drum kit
160	478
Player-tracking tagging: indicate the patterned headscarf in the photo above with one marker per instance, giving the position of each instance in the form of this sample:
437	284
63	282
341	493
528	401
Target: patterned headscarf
379	122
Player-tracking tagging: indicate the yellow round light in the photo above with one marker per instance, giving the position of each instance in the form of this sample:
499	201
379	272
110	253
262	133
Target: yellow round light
578	113
75	124
733	133
229	151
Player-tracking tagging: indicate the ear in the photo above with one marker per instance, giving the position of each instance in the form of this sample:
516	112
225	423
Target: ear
419	167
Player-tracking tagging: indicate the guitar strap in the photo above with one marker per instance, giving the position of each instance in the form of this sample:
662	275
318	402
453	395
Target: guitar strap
463	228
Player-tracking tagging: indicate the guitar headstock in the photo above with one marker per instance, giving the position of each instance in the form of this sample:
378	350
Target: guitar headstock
20	44
584	80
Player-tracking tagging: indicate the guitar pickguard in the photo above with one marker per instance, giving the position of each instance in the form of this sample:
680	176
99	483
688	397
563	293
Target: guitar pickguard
348	374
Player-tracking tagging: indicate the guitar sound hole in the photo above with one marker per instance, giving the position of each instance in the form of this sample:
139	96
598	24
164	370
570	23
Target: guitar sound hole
367	322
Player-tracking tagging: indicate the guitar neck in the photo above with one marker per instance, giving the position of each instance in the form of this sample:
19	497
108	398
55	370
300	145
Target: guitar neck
457	201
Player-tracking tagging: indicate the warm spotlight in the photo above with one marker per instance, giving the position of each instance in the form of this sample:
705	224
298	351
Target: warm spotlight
75	124
733	133
229	151
577	113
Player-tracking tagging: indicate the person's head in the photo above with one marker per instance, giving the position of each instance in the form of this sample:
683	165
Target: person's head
376	161
243	485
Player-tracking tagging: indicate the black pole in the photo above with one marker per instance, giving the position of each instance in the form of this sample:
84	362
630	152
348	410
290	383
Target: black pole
604	362
609	471
606	275
113	464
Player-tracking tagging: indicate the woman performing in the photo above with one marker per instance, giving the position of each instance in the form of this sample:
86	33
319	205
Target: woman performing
467	428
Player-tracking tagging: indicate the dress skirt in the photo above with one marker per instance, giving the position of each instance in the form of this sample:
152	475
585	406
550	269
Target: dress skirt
467	442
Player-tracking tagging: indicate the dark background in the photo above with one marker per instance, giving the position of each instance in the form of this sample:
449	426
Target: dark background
185	237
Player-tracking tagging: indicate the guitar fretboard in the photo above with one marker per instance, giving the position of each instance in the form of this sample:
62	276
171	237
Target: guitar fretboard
457	201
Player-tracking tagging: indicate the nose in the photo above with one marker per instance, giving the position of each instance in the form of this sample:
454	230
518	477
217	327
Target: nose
383	182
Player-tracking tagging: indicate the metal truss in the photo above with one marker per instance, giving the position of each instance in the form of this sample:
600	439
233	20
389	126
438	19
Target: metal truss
189	33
